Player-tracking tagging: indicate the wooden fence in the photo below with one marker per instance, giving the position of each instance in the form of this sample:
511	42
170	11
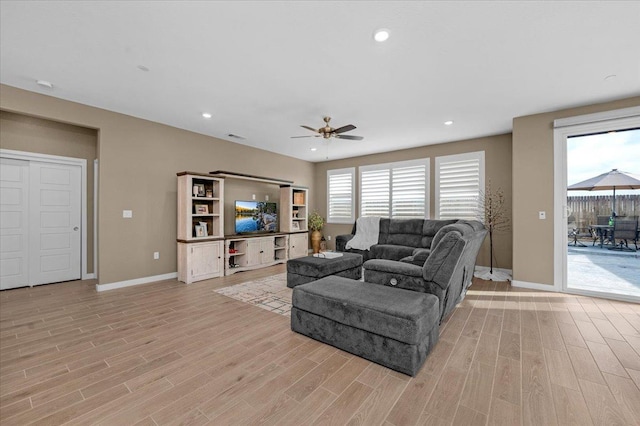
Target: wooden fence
583	210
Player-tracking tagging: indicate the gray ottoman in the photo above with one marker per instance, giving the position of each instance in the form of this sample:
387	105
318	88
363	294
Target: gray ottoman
390	326
306	269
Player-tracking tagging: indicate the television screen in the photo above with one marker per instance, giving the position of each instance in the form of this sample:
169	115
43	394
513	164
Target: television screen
256	216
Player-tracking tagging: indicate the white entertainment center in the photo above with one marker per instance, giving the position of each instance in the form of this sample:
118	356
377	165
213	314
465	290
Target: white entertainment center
205	252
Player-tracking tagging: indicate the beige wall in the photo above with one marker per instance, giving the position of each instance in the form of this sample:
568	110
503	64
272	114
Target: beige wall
497	168
533	250
138	161
22	133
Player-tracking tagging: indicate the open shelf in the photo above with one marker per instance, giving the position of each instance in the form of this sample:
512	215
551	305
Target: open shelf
294	209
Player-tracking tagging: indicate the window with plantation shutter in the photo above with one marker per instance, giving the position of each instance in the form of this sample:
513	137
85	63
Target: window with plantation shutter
459	180
340	199
396	190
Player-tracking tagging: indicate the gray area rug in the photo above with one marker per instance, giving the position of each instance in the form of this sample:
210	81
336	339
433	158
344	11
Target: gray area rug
270	293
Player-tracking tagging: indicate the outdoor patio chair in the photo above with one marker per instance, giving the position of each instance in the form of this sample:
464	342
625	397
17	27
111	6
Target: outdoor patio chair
574	232
606	235
625	230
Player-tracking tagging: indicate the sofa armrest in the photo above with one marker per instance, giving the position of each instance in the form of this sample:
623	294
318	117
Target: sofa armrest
443	259
341	241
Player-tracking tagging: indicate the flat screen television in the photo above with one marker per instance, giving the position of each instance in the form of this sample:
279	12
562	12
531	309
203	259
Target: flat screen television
256	216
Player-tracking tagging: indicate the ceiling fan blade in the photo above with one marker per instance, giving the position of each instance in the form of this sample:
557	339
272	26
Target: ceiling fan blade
343	129
353	138
295	137
310	128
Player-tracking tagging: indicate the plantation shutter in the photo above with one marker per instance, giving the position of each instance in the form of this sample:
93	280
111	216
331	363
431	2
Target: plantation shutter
374	193
397	190
340	200
408	192
459	180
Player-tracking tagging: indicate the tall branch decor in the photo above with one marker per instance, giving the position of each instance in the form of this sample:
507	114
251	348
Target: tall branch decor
493	213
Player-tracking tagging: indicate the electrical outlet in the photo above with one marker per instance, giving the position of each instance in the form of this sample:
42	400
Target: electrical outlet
328	237
542	215
253	196
266	198
127	214
156	255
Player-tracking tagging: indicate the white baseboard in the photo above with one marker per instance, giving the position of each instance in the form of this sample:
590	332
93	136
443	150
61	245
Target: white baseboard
137	281
89	276
533	286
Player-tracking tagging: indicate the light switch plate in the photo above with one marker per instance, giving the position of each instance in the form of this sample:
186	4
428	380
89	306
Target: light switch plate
542	215
127	214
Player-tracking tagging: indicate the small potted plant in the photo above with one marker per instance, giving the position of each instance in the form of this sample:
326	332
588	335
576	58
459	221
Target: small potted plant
316	222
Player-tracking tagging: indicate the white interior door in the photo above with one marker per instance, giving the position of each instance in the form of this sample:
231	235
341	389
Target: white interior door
55	220
14	223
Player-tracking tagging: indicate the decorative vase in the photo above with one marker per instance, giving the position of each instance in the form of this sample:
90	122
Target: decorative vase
316	236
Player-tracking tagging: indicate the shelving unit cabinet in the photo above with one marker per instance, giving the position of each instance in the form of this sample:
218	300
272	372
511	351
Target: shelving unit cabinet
298	245
200	227
205	252
199	261
293	208
253	252
281	248
200	204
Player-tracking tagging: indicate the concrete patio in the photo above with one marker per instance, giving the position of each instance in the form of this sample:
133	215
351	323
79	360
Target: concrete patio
600	269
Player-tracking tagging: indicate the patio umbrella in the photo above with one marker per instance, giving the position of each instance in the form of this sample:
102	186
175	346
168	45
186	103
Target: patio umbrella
614	179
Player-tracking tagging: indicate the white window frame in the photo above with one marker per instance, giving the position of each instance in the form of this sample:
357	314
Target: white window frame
476	155
426	162
346	171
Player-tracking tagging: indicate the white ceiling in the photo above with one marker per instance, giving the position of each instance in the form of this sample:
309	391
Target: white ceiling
264	68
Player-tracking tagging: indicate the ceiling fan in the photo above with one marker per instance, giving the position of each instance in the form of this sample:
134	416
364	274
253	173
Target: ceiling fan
329	132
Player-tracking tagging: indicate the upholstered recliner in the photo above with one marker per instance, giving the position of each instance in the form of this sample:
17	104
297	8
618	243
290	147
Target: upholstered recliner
447	271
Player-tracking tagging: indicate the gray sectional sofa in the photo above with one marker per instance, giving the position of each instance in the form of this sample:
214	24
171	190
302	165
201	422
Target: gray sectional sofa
393	317
399	239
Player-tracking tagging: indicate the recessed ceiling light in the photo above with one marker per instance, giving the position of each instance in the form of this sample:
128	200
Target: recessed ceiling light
448	123
231	135
314	149
206	115
611	77
143	68
44	83
381	35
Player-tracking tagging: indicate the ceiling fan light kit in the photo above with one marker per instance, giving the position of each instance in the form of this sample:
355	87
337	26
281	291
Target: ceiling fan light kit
329	132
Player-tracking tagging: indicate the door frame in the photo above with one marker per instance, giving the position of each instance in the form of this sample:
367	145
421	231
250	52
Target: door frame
563	129
70	161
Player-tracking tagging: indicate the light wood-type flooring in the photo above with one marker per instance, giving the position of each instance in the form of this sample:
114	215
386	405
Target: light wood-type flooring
168	353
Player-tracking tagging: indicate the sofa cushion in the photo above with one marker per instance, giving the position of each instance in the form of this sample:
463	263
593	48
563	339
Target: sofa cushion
384	230
429	230
405	232
402	315
389	251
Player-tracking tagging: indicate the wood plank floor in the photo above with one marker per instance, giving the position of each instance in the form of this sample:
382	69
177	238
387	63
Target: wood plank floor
168	353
